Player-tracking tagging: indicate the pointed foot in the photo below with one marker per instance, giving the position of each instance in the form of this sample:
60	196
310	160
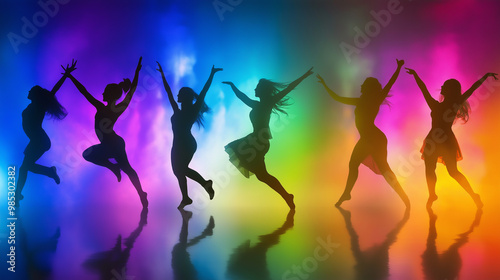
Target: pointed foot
144	200
54	175
342	199
431	200
289	202
184	203
117	171
477	201
209	188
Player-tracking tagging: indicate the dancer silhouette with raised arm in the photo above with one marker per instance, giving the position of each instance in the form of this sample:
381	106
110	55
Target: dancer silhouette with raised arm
248	153
446	265
112	145
372	263
441	145
371	148
182	266
43	102
184	145
250	261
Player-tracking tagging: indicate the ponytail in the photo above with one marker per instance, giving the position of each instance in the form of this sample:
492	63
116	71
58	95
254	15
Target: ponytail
125	85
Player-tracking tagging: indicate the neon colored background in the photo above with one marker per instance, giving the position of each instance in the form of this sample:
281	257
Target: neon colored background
311	146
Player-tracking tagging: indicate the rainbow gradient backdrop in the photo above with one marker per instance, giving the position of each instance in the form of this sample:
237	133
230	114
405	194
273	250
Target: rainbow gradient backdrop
311	146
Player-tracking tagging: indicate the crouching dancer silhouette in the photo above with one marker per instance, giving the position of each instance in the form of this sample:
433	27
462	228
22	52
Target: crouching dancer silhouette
43	102
112	145
440	144
371	148
248	153
184	145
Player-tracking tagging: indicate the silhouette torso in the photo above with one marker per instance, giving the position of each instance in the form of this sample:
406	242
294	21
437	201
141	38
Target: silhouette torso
260	116
365	113
33	117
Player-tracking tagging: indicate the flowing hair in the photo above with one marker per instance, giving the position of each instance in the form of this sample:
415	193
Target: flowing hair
192	95
49	102
270	89
454	94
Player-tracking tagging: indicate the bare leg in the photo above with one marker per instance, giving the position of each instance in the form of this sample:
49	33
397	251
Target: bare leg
451	166
206	184
358	154
47	171
430	175
98	156
124	164
271	181
380	159
391	178
186	200
29	164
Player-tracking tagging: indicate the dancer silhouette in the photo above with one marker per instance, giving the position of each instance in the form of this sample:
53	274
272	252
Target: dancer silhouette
112	145
371	148
446	265
250	262
184	145
372	263
441	145
182	266
112	264
248	153
43	102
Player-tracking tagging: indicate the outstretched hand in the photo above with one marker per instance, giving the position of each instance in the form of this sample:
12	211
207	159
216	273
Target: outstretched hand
159	68
400	62
494	75
68	68
320	79
410	71
228	83
139	65
215	70
309	72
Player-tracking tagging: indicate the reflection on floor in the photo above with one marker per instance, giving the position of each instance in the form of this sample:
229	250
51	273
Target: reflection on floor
354	242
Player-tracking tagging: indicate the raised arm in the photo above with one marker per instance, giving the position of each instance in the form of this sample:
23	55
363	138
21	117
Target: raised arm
84	91
336	97
428	98
67	71
388	86
243	97
204	91
133	87
171	99
292	85
476	85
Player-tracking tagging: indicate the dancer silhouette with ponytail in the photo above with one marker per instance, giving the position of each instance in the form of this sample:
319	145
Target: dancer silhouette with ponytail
112	145
440	144
248	153
371	148
43	102
184	145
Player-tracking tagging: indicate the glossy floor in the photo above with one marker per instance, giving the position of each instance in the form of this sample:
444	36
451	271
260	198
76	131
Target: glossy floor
318	241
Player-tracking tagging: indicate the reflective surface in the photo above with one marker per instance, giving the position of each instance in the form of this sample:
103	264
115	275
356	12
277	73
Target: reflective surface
316	242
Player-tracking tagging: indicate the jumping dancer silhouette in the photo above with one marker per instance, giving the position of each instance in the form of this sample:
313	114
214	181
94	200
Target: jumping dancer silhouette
43	102
248	153
184	145
440	144
112	145
371	148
